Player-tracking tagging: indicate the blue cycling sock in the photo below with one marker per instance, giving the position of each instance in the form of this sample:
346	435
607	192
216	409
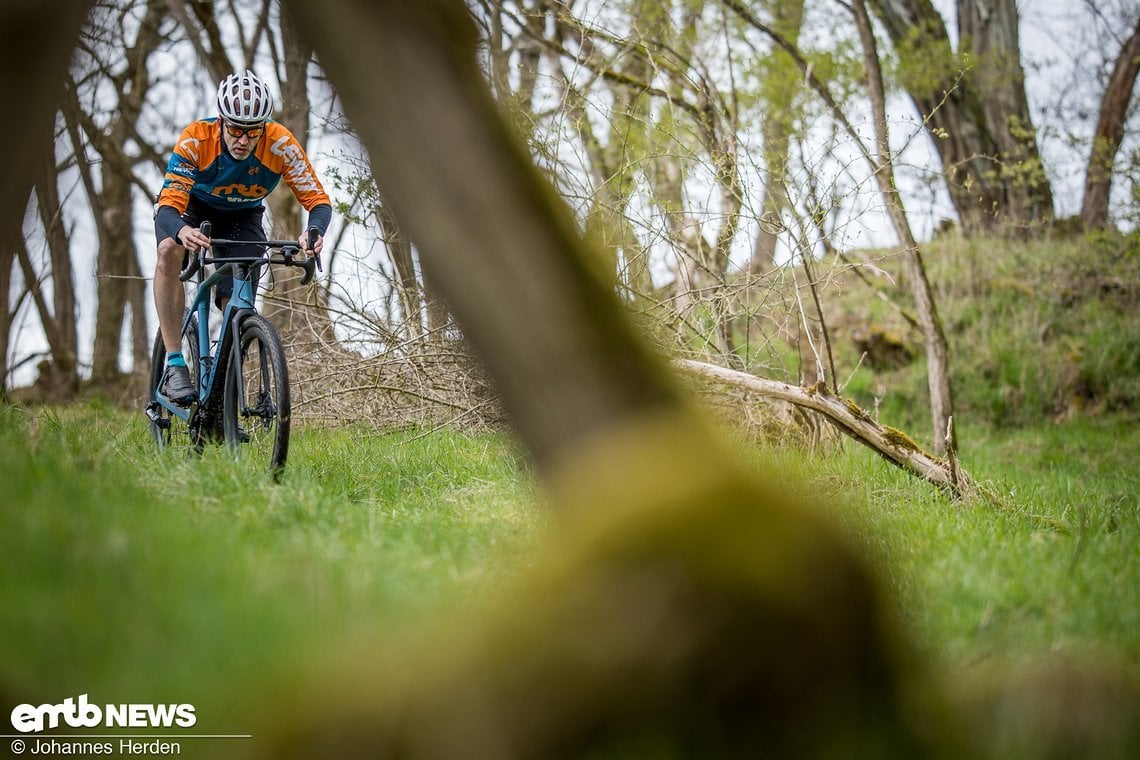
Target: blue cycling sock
175	359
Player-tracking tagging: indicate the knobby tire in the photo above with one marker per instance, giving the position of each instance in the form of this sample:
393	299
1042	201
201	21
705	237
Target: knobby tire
257	406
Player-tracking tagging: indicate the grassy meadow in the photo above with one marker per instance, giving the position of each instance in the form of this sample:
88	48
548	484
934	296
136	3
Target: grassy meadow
137	577
142	578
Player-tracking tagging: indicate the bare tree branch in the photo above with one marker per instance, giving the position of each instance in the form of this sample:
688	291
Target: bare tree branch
891	444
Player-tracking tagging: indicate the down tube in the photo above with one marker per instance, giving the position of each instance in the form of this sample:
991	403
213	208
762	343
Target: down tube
205	365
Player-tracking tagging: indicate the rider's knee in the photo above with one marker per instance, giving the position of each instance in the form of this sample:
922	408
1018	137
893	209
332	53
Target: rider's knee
170	255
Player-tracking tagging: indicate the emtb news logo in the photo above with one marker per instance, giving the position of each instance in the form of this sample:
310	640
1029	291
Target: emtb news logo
79	713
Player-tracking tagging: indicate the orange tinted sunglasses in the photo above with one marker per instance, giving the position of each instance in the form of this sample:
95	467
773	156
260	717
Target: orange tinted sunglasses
252	134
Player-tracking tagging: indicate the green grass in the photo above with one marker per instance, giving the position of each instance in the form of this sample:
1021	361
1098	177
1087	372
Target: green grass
1026	610
1036	330
1051	569
133	577
140	578
137	578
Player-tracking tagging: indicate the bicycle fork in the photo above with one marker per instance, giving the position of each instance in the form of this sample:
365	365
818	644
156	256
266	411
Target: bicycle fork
239	402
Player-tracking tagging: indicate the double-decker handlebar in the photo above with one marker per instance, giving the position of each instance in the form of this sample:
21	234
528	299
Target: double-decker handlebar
287	248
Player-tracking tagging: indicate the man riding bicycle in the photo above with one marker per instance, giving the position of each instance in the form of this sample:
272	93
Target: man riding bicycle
220	171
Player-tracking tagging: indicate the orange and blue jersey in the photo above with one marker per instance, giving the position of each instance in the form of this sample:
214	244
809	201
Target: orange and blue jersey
201	168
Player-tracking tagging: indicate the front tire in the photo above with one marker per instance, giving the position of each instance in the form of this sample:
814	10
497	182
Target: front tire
257	406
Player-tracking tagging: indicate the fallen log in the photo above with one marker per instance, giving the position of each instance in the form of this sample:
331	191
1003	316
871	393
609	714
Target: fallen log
849	418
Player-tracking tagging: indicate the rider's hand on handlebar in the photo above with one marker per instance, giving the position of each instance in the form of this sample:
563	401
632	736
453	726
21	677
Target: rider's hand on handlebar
303	239
193	238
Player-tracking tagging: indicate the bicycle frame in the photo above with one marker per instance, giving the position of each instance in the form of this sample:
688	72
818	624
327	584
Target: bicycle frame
242	378
241	304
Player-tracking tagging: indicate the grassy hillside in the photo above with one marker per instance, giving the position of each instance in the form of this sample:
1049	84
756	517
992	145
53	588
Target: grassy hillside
1037	331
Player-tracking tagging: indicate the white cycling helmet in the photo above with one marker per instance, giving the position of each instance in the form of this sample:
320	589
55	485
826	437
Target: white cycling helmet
244	100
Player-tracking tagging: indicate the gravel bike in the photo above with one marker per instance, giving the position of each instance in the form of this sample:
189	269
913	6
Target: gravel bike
240	376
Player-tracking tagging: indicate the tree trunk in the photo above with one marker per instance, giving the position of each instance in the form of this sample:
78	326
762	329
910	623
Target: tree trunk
65	346
61	383
980	124
778	130
137	302
113	267
7	259
408	292
937	361
1109	133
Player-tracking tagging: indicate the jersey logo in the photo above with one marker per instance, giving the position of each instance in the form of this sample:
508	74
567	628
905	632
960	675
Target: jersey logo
190	147
245	191
296	168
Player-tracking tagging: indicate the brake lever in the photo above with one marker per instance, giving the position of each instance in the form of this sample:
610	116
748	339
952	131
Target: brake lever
313	235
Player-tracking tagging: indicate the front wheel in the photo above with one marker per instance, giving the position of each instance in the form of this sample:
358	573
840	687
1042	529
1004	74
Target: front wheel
256	406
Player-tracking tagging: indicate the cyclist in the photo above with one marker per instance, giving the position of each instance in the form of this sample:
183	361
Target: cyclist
220	171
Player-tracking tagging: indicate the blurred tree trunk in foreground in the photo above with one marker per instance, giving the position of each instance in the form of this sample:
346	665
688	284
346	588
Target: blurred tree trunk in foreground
691	607
463	188
7	260
36	40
